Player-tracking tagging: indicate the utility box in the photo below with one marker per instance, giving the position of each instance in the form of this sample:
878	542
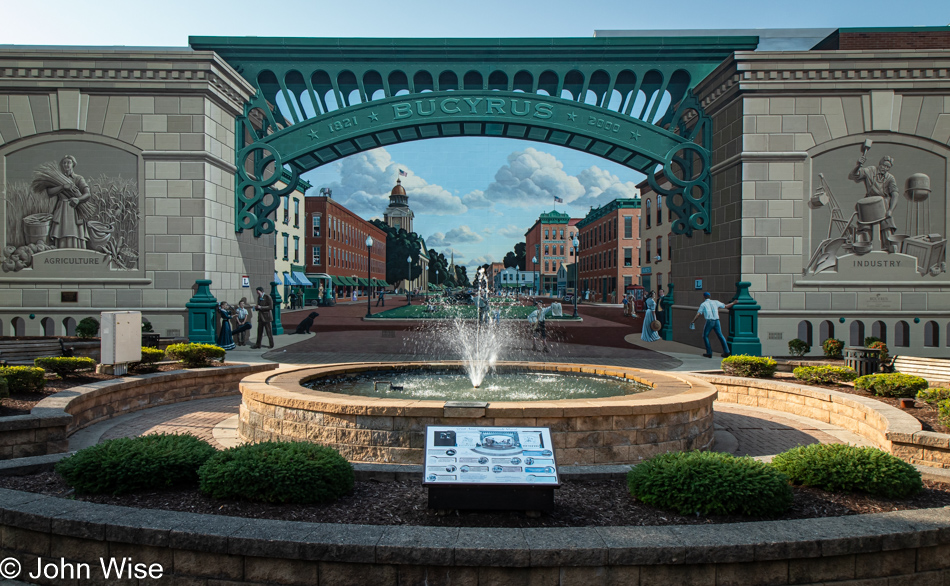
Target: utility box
121	336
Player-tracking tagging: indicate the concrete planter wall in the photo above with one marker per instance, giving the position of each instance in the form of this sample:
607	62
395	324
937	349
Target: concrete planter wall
908	547
45	429
888	427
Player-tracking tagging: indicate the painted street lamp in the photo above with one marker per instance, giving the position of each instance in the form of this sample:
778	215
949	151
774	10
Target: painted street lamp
537	287
576	244
408	280
369	273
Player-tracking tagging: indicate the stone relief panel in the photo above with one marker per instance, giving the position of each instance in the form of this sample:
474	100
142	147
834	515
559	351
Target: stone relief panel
877	212
72	210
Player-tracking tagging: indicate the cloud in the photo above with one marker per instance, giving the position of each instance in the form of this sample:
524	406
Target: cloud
602	187
512	231
532	177
477	199
481	260
462	235
366	180
437	240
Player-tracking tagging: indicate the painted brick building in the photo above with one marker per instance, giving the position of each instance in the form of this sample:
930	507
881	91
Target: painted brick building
336	246
549	241
608	259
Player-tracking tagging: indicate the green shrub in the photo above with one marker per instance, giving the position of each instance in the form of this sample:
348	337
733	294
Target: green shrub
933	396
798	347
147	327
87	328
943	412
149	357
891	384
4	389
278	472
844	468
195	355
710	483
824	375
833	348
126	465
65	366
752	366
870	340
24	379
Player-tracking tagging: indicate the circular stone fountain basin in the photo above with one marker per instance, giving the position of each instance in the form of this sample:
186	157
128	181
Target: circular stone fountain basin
453	385
674	414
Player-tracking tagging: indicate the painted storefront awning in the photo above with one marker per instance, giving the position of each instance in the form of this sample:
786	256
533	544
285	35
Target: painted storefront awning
301	279
288	280
276	277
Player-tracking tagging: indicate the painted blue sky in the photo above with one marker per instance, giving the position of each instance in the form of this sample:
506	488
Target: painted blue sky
474	195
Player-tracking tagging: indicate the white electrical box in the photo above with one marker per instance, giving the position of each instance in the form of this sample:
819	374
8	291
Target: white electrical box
121	335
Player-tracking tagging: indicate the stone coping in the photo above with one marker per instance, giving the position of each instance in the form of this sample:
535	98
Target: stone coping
672	392
876	421
492	547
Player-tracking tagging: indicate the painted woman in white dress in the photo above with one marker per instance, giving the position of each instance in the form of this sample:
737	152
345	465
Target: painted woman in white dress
68	229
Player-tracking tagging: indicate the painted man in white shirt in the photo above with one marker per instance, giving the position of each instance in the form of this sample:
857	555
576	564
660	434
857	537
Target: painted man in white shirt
710	310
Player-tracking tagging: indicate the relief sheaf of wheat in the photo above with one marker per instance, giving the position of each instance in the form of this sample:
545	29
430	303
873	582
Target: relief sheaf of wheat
111	216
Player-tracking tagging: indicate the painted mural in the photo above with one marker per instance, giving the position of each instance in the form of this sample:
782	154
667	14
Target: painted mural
880	216
72	209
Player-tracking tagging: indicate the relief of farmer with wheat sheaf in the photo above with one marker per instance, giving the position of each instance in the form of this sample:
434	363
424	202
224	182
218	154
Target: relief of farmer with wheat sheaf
68	226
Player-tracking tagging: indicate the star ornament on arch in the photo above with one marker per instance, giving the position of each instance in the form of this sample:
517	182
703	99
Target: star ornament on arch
572	116
635	134
373	117
313	135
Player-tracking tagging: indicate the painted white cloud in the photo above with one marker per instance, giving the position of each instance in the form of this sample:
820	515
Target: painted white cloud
532	177
602	187
462	235
512	231
481	260
436	240
476	199
366	180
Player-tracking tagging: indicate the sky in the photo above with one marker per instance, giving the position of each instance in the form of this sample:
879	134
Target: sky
474	196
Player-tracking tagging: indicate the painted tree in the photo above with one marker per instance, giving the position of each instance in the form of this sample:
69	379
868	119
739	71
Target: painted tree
400	245
516	258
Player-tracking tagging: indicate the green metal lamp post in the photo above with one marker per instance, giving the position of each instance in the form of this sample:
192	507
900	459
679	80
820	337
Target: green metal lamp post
369	272
408	280
744	323
201	309
537	286
576	244
666	332
278	328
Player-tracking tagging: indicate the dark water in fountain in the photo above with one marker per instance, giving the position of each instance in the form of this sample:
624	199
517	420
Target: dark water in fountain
457	386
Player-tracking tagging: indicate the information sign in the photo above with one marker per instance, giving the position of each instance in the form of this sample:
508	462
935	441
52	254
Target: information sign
489	456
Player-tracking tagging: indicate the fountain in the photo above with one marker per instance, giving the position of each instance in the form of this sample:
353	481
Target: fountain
597	414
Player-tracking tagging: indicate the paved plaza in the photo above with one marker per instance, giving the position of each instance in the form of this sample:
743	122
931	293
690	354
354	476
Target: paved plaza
604	337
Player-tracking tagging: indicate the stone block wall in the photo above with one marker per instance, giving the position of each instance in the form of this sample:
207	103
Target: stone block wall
174	110
775	115
675	416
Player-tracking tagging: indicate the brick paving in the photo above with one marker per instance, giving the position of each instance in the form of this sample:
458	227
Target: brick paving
759	432
342	336
198	418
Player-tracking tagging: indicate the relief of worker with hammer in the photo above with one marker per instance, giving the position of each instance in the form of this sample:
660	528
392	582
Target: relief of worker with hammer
879	183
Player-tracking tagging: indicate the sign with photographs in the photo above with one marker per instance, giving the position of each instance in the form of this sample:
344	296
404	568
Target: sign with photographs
489	455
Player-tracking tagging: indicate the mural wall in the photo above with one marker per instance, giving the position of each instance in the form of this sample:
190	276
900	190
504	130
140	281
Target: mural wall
73	209
877	211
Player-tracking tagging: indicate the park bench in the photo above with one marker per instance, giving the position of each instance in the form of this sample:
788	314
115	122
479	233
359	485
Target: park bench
23	352
935	370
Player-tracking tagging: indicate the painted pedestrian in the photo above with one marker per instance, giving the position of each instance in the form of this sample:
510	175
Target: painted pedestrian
709	309
649	316
265	317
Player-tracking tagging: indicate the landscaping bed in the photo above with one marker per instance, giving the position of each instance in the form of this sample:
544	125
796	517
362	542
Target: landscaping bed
21	403
926	415
581	503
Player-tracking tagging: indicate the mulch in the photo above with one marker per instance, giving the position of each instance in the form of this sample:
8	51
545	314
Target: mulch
586	503
20	403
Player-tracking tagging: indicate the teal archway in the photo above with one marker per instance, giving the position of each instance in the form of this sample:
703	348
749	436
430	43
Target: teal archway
627	100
